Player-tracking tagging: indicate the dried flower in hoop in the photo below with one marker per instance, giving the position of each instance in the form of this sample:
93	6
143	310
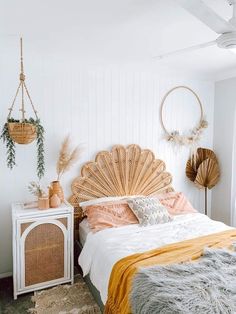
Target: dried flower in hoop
193	137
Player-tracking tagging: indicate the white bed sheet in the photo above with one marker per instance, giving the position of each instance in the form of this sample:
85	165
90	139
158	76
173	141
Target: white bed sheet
84	230
103	249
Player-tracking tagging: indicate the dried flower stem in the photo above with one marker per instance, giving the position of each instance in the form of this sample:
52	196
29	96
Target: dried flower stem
67	157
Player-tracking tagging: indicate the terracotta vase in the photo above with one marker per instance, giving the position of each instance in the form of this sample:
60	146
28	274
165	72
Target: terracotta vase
55	201
56	188
43	202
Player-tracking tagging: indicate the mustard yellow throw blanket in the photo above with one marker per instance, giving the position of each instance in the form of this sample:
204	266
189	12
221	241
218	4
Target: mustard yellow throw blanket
124	270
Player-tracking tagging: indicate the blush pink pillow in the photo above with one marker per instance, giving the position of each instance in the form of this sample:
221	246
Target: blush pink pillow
109	215
176	203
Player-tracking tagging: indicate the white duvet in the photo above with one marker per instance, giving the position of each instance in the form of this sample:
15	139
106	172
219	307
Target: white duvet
104	248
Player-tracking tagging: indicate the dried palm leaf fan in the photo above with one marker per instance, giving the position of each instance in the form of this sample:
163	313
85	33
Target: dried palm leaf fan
204	171
23	131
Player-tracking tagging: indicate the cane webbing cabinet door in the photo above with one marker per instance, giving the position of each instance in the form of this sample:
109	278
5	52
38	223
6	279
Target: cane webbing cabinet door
42	247
44	250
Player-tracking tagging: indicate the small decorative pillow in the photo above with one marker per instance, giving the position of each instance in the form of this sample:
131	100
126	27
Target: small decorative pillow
176	203
149	211
109	215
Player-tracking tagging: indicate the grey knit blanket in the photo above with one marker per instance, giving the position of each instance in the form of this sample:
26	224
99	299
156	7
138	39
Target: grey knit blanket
205	286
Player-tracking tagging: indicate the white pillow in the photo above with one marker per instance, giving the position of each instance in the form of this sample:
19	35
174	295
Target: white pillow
96	201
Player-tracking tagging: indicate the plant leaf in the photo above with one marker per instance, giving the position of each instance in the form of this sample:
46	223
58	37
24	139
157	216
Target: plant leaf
192	165
208	174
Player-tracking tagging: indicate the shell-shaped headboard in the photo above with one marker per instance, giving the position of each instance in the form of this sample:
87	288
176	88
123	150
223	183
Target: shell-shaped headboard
122	171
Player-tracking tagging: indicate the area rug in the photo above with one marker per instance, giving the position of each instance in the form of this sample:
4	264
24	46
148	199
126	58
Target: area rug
65	299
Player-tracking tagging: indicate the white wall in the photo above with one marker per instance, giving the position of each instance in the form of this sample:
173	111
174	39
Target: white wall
100	107
224	128
233	188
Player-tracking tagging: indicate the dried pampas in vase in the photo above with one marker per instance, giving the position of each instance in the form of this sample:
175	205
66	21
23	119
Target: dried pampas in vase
66	160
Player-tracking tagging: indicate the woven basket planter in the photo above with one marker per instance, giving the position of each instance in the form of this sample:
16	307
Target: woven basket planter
23	130
22	133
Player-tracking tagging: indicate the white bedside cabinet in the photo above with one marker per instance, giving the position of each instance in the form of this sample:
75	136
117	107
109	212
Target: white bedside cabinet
42	247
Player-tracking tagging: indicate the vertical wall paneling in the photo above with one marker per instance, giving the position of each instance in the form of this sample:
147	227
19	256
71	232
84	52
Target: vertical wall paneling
100	107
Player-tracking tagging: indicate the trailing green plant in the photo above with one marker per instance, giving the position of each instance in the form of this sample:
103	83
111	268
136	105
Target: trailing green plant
40	150
10	145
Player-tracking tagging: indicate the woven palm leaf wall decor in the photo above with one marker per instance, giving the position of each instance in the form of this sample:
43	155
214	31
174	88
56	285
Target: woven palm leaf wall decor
204	170
24	130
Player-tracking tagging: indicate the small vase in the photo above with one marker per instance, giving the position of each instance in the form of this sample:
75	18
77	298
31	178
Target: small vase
55	201
43	202
56	188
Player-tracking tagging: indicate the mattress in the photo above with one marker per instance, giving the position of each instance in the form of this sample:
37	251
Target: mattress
104	248
84	230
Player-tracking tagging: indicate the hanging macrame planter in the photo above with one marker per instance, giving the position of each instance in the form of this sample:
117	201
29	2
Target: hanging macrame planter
23	131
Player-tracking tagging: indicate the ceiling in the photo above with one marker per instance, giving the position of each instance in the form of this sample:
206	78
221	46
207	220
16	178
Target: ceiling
115	32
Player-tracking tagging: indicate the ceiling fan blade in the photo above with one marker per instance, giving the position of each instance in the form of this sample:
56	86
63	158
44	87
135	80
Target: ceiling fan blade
189	49
208	16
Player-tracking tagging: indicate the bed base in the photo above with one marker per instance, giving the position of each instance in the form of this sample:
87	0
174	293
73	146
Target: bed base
92	288
94	292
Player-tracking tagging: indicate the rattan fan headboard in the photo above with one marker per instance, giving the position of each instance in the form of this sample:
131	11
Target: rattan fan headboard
123	171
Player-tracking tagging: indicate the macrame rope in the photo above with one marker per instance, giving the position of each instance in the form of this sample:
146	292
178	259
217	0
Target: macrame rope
11	108
27	92
23	88
21	56
22	102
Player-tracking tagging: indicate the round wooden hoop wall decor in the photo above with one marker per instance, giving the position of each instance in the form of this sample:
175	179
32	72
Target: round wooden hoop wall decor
195	134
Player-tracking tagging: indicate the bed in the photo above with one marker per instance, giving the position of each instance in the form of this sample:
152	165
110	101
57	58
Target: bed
128	171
